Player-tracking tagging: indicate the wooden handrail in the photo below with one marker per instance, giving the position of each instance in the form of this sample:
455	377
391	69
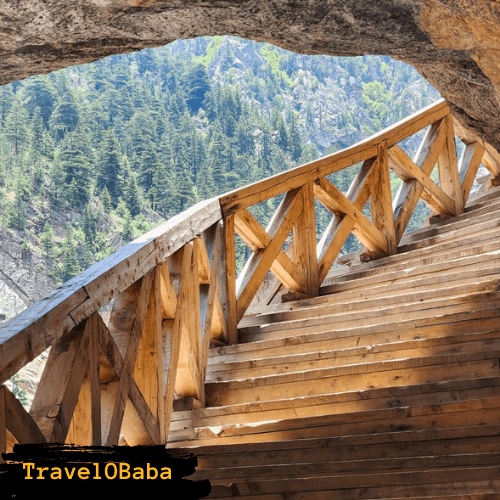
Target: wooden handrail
175	289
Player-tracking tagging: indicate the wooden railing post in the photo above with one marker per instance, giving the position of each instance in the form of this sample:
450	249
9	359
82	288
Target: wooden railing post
304	242
231	305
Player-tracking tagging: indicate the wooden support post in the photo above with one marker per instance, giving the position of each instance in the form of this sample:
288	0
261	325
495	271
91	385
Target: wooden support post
148	366
304	243
469	165
381	200
449	179
211	326
172	336
231	305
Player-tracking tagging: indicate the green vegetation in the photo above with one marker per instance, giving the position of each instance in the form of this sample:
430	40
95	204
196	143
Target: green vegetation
94	155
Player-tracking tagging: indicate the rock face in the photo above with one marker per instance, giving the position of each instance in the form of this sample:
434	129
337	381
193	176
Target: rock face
455	45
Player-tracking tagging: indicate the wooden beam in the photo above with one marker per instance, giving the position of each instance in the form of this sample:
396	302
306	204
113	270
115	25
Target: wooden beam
230	257
59	388
304	243
260	262
381	200
254	235
148	365
333	199
432	194
17	420
469	165
172	335
208	298
449	180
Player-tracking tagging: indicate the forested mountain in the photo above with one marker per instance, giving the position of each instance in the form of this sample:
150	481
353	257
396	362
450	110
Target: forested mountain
94	155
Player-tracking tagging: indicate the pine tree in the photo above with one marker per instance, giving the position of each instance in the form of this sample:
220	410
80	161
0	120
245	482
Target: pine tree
131	195
89	227
106	200
110	172
65	116
69	266
47	240
78	174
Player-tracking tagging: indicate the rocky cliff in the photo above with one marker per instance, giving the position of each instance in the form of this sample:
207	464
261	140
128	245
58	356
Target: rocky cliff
453	44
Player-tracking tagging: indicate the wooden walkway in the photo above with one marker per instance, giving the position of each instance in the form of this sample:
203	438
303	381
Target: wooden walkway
397	352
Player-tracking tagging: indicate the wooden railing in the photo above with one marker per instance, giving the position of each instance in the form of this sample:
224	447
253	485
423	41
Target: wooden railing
175	291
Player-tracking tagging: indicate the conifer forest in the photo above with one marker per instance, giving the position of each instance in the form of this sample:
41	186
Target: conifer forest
94	155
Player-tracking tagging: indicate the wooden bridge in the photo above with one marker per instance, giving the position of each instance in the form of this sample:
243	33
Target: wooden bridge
292	380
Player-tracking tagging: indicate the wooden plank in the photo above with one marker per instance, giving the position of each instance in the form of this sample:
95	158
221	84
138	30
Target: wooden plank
428	327
340	403
432	194
448	305
138	313
440	483
333	199
59	388
222	452
297	177
469	165
408	420
254	235
304	243
410	191
230	257
260	262
345	357
351	377
449	179
381	200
